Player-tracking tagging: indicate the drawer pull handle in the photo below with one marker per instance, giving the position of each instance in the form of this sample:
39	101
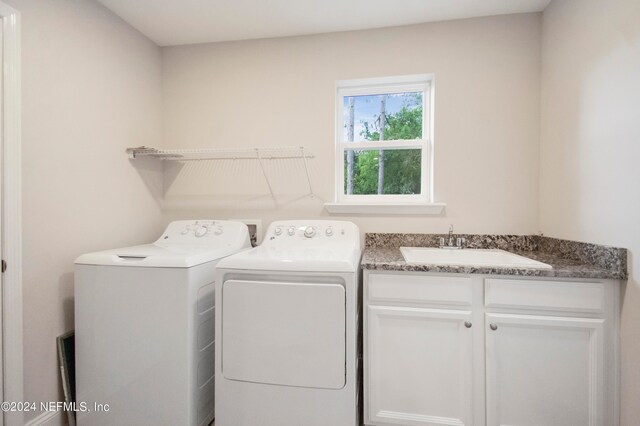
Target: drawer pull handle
468	324
494	327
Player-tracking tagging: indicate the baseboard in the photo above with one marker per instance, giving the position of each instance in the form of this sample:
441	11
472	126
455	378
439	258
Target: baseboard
49	418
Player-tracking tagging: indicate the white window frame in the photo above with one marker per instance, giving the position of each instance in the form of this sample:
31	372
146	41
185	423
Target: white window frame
391	203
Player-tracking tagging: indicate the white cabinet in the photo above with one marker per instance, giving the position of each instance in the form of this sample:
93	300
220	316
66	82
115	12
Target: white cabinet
544	370
419	366
489	350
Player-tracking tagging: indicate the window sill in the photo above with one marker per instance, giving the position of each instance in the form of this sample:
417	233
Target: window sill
433	209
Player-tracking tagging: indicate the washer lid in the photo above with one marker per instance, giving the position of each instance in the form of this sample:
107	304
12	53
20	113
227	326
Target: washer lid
182	245
153	256
296	258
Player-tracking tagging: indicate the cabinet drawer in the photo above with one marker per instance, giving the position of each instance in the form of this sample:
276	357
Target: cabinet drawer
451	290
546	295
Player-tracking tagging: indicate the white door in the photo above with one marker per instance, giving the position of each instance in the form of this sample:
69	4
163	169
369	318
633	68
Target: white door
280	333
2	283
544	371
418	366
11	300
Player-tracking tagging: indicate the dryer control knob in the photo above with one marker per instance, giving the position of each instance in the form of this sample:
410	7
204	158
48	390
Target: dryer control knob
329	232
278	231
201	231
309	231
185	231
291	231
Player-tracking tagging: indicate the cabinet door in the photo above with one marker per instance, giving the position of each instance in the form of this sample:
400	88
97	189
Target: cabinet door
544	370
418	366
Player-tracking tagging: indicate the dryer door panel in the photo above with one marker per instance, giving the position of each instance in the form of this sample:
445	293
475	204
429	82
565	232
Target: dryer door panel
290	334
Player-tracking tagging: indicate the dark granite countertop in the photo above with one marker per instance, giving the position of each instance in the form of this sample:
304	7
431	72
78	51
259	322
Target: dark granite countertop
569	259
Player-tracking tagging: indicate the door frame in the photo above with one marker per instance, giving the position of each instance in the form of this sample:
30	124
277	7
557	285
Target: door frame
12	361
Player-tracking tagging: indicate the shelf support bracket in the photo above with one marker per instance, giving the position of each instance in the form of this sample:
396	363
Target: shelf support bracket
266	177
306	169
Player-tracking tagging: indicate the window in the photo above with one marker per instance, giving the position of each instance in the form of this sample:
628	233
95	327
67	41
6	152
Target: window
383	141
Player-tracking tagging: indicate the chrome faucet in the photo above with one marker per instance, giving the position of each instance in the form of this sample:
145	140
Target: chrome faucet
451	243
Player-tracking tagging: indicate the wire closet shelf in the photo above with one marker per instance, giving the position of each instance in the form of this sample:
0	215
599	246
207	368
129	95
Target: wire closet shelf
209	154
277	153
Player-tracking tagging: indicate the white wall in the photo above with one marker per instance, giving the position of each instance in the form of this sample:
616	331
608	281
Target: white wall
280	92
590	145
91	87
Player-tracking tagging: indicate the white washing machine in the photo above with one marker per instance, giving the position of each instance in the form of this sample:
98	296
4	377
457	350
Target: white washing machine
287	315
145	329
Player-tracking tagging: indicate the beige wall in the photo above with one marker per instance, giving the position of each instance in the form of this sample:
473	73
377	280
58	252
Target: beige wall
91	87
280	92
590	145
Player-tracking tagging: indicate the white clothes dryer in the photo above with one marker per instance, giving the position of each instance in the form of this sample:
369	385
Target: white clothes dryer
145	329
287	321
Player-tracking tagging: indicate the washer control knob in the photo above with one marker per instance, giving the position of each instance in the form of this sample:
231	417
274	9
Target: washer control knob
201	231
278	231
329	232
309	231
185	231
291	231
218	231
